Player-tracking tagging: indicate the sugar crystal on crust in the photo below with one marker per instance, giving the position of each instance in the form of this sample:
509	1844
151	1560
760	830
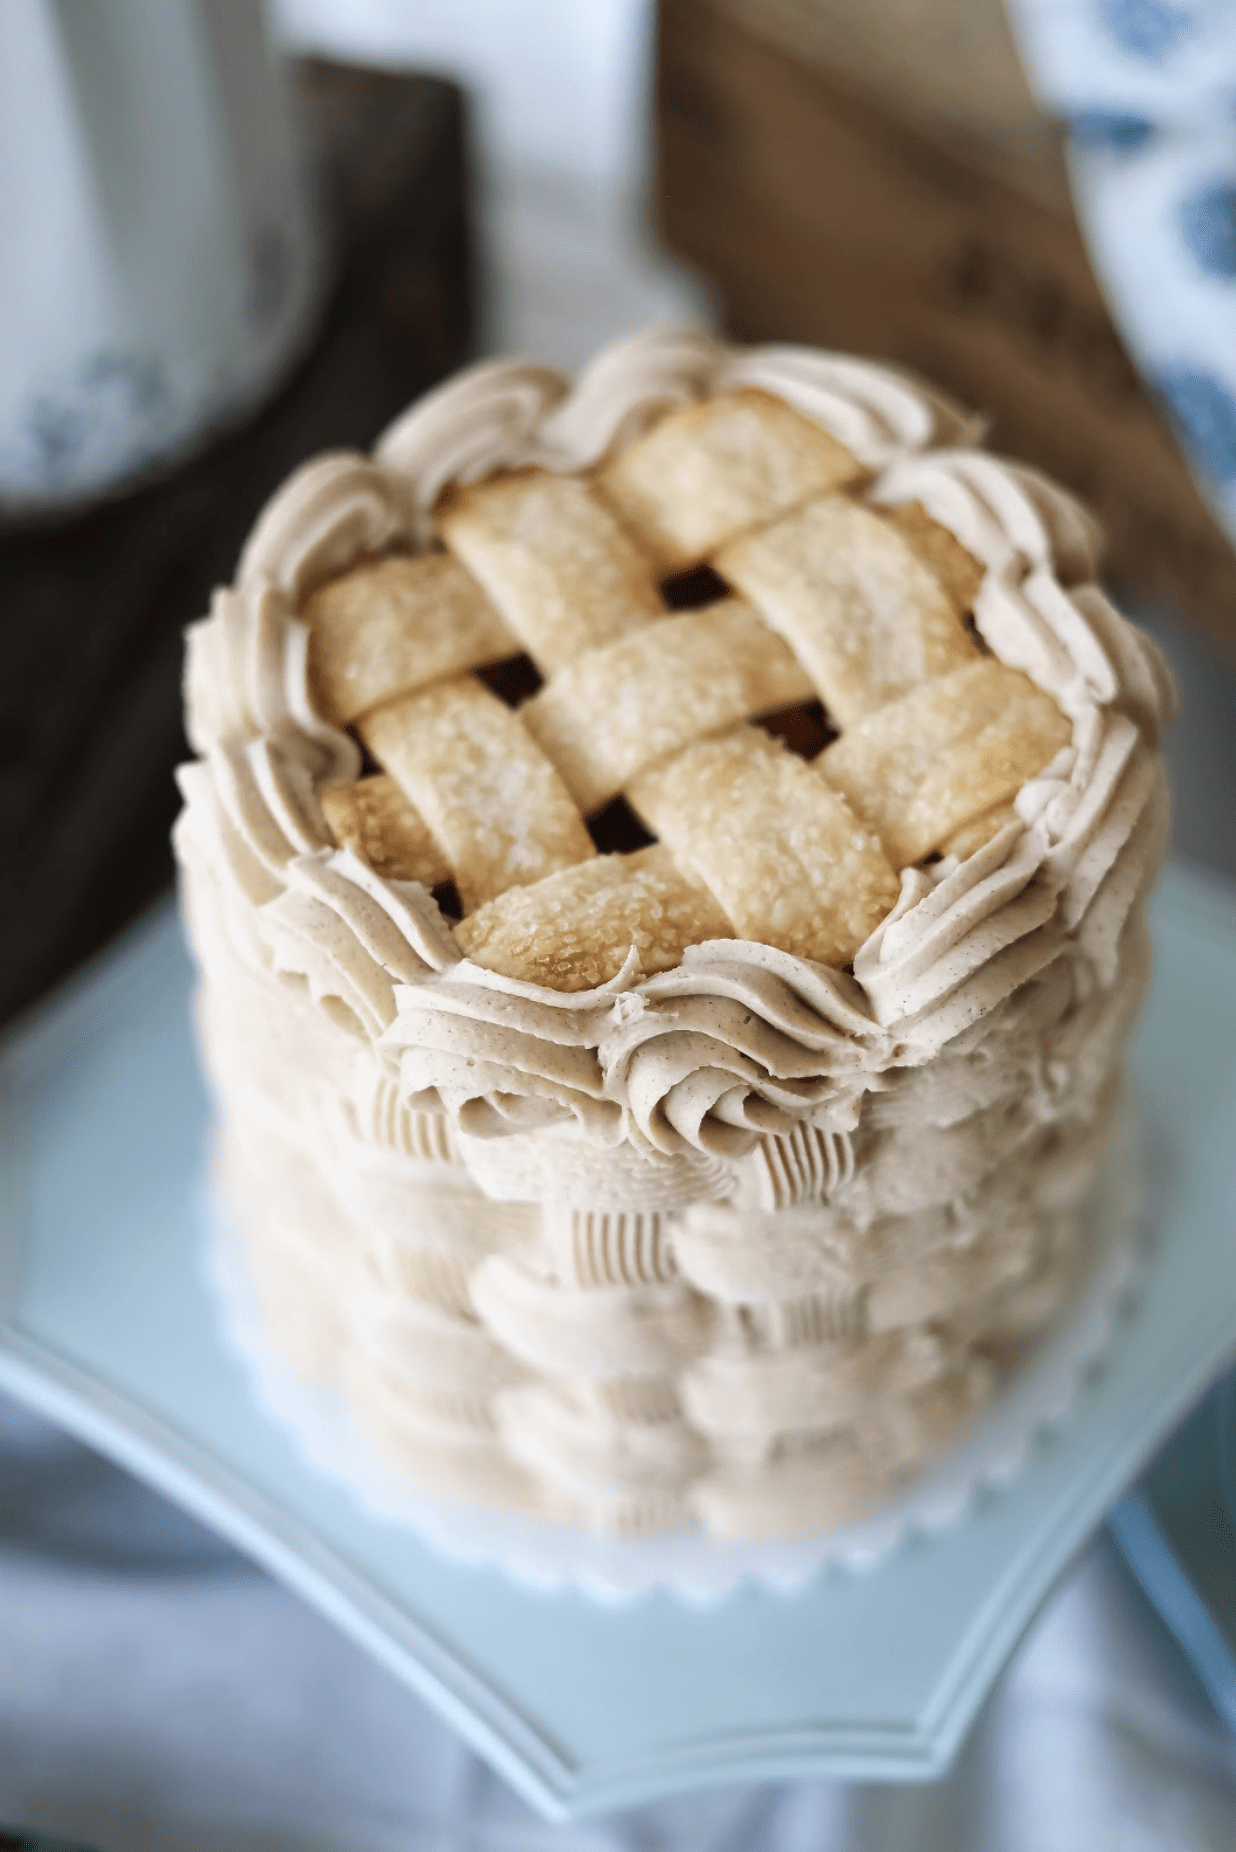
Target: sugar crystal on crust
716	469
864	614
396	625
373	817
921	767
559	568
783	854
575	930
620	708
492	801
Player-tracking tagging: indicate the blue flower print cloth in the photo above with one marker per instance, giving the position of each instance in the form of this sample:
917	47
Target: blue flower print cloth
1147	89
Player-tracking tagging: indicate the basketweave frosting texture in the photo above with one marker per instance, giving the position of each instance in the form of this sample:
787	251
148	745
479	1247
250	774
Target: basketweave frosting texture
725	1206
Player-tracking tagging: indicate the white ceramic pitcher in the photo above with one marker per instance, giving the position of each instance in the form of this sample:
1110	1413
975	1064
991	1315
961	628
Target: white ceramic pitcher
158	263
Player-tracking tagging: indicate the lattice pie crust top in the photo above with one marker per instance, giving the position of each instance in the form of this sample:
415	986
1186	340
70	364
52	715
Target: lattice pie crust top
682	797
809	594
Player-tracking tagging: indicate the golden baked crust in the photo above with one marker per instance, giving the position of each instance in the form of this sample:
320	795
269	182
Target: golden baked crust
803	592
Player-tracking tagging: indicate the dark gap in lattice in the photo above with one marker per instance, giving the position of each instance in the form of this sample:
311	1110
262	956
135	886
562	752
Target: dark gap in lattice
976	635
513	680
447	896
805	729
689	590
369	764
616	830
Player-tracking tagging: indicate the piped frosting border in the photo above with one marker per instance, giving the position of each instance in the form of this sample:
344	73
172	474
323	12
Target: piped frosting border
740	1040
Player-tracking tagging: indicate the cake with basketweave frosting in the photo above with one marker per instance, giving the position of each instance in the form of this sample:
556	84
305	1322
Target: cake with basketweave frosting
666	860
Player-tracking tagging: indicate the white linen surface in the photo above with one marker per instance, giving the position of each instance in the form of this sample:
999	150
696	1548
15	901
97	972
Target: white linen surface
158	1693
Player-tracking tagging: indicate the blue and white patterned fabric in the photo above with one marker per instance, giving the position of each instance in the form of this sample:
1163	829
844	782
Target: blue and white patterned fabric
1148	91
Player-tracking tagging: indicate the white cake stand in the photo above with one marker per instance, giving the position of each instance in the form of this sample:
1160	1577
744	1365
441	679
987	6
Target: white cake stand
107	1326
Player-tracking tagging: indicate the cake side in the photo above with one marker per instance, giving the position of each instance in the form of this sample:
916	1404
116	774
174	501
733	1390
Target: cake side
714	1228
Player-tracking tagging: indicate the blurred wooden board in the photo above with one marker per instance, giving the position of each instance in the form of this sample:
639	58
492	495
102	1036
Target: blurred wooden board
94	609
950	67
824	216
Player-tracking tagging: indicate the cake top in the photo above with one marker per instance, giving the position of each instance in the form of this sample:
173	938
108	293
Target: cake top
721	674
725	566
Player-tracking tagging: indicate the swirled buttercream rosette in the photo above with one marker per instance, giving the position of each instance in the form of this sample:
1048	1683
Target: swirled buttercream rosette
666	859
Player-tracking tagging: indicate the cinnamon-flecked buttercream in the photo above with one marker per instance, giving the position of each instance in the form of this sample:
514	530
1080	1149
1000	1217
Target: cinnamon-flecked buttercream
707	1232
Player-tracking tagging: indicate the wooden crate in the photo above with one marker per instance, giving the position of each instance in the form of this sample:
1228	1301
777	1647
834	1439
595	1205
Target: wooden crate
834	212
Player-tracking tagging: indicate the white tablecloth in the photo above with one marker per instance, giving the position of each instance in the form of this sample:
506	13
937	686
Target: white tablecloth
160	1694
